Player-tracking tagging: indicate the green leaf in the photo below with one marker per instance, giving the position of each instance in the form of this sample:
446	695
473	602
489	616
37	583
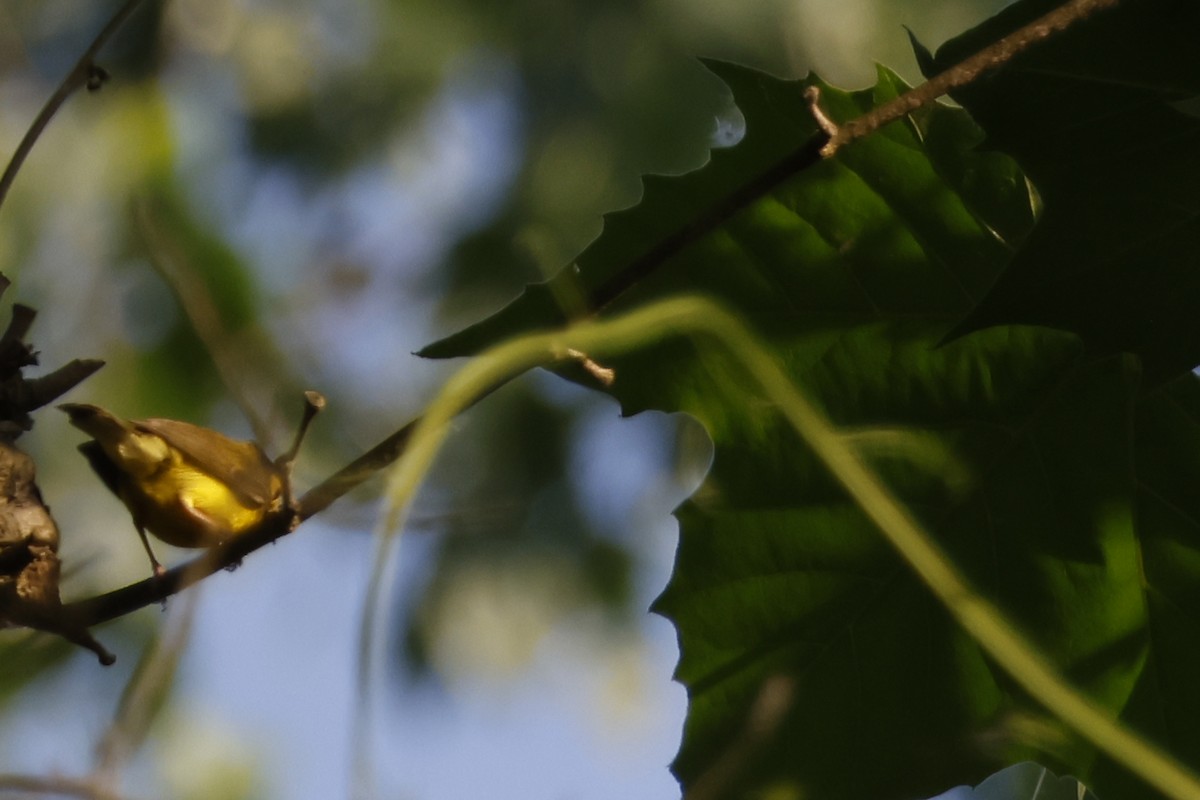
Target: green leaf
774	579
202	304
1092	117
28	655
666	224
1165	704
853	270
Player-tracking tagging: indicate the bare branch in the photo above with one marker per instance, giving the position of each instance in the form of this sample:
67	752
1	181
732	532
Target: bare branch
961	74
85	73
47	388
226	349
55	786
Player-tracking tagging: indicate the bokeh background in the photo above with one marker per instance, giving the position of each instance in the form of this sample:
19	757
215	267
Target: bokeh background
273	195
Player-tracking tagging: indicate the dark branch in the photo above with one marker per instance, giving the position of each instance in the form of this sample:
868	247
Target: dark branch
964	72
47	388
85	73
55	786
118	603
382	455
829	138
800	159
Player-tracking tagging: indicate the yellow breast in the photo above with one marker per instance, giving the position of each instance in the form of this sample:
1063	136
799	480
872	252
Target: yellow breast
185	507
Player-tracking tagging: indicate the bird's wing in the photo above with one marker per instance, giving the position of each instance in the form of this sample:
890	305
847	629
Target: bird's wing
242	466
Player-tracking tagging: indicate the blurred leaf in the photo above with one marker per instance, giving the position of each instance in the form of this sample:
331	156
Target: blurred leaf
27	655
222	271
339	128
146	694
213	338
853	270
1092	119
670	205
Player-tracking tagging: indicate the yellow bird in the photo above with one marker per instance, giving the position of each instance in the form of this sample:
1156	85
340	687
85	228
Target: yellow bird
187	485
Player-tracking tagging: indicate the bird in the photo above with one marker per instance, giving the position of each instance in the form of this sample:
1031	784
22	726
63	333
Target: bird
187	485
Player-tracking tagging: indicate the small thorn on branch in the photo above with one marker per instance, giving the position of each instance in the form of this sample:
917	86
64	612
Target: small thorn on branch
812	95
605	375
961	74
97	76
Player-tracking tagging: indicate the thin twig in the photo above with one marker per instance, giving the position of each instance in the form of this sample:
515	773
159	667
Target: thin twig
55	786
84	73
806	155
194	298
119	602
962	73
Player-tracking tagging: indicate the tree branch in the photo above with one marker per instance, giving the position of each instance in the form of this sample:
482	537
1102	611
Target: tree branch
84	73
829	138
961	74
56	787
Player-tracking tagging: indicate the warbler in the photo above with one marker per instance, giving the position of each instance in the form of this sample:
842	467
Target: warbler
189	486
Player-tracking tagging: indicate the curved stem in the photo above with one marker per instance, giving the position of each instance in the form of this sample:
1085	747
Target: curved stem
998	637
84	73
